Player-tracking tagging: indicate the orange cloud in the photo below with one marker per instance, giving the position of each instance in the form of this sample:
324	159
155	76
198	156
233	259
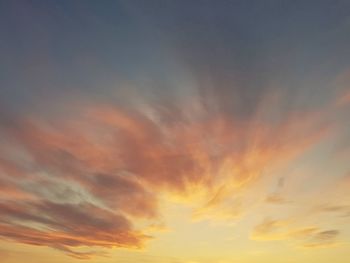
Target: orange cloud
66	225
113	163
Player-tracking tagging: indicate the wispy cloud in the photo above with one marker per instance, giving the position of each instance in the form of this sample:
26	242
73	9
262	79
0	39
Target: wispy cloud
322	239
104	168
306	237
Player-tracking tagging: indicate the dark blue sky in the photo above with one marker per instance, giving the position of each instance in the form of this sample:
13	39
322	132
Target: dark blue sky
228	48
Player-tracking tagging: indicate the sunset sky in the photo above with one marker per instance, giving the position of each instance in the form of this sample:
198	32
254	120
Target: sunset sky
175	131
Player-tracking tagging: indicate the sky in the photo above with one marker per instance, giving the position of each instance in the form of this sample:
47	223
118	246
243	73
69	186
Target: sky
175	131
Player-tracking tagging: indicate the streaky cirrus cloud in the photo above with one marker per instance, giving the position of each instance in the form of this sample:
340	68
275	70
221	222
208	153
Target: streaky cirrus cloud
87	179
306	237
63	226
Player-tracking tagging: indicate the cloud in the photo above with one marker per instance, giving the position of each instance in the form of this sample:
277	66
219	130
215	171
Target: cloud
341	210
275	199
89	179
269	230
306	237
344	99
66	225
322	239
341	84
9	190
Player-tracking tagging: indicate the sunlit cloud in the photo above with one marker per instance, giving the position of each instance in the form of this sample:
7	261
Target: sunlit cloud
175	132
95	178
